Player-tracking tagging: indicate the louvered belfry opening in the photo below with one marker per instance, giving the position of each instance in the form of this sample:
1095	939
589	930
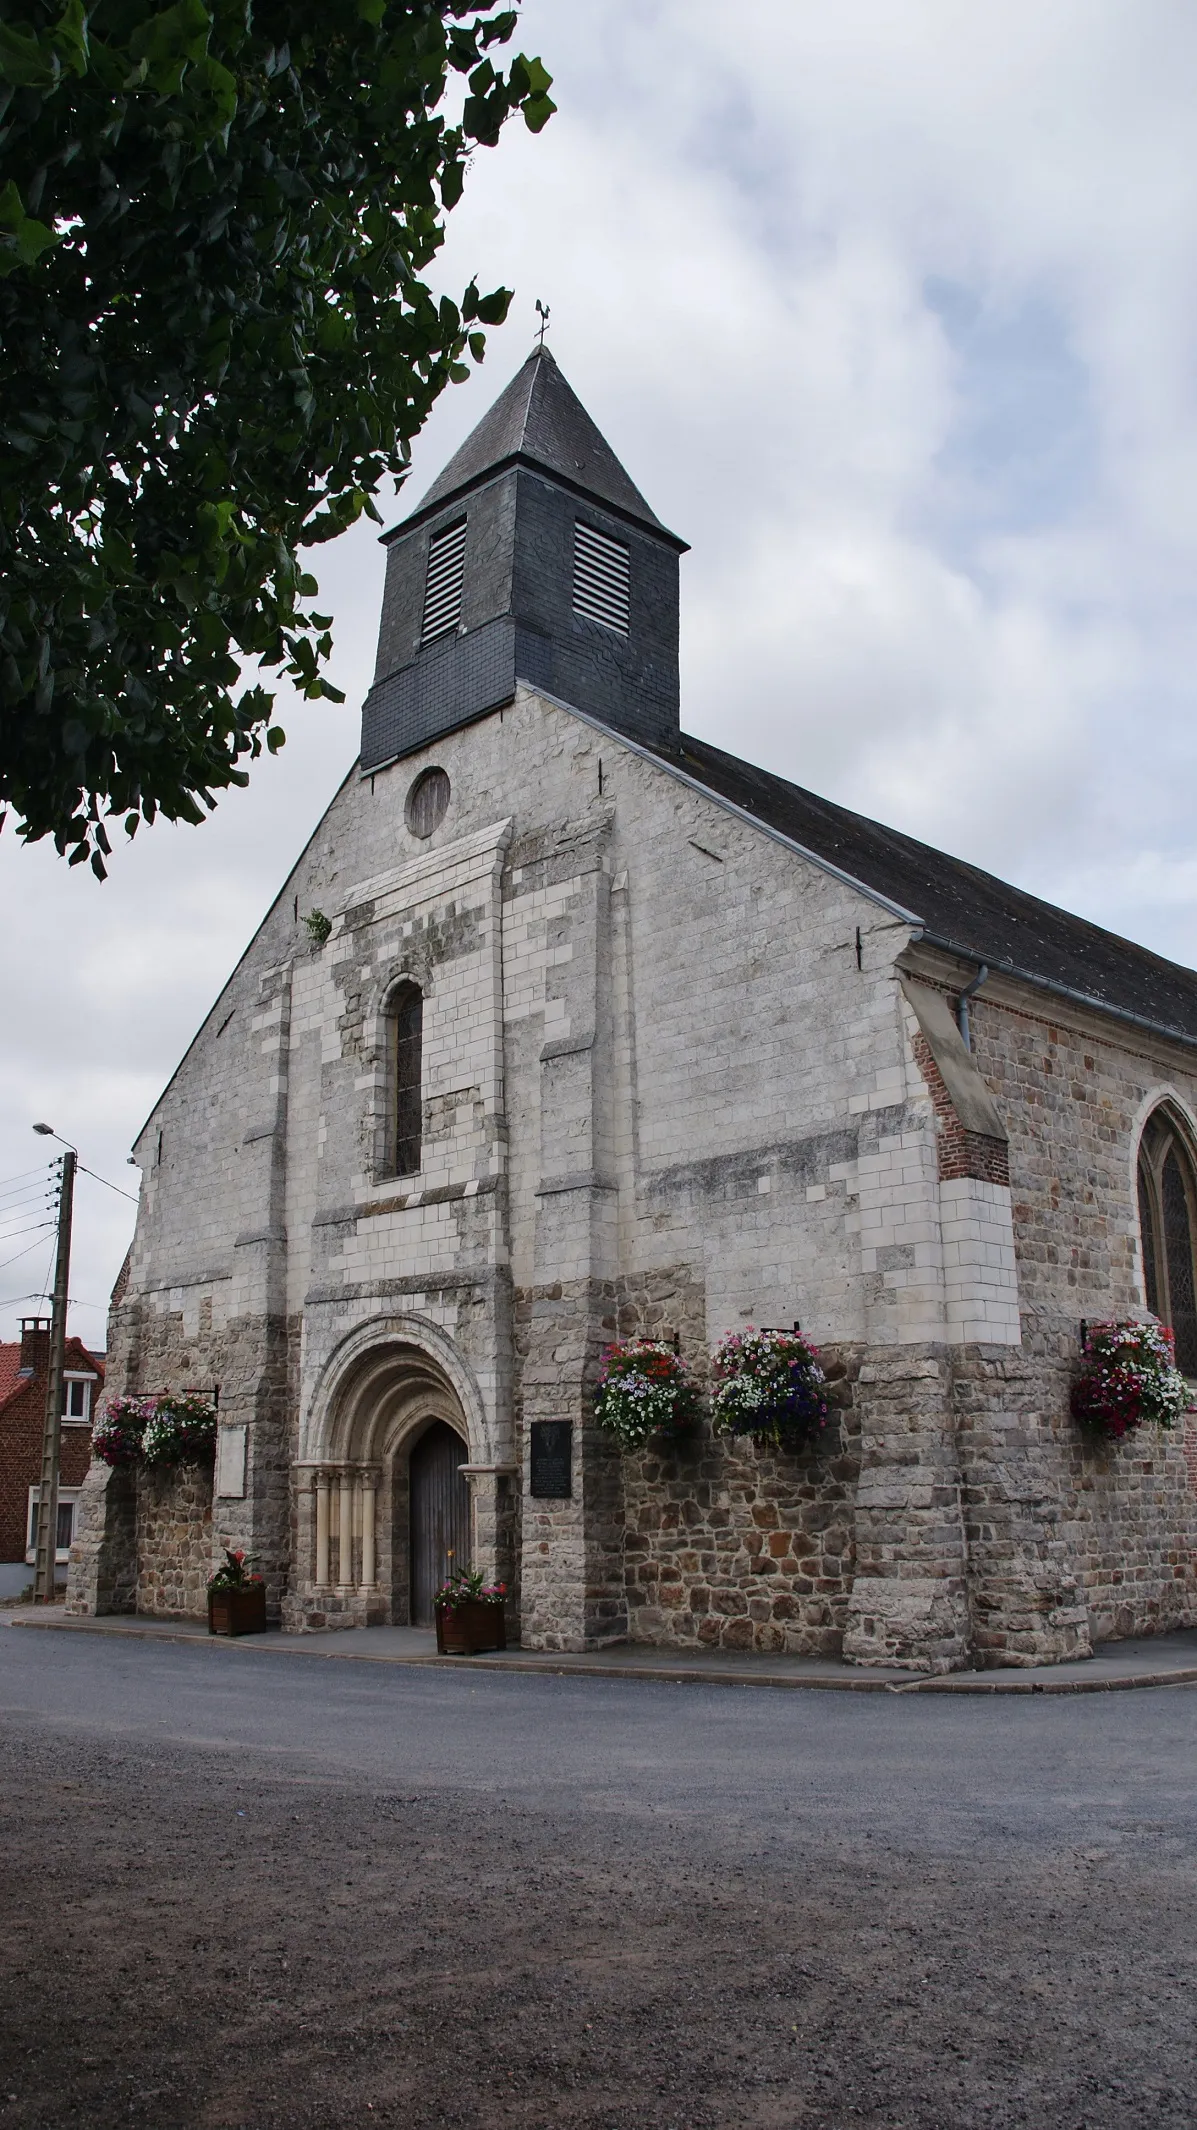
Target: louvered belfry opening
600	578
442	586
540	594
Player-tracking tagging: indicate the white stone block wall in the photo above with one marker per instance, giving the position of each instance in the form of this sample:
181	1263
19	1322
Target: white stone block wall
979	1266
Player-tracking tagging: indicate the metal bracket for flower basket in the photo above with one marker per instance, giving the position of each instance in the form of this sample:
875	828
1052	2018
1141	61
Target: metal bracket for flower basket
795	1326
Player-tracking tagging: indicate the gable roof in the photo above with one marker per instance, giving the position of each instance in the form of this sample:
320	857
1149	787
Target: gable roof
10	1376
539	421
959	907
13	1384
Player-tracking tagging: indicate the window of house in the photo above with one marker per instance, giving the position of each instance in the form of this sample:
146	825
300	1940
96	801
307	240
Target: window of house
442	586
76	1401
406	1023
1168	1225
600	578
68	1500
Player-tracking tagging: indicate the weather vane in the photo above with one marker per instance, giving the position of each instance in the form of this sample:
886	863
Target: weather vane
543	309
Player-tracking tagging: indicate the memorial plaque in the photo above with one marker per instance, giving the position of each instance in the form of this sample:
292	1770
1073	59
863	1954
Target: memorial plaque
552	1459
230	1463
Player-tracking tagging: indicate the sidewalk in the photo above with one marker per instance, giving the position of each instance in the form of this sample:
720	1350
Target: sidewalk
1162	1660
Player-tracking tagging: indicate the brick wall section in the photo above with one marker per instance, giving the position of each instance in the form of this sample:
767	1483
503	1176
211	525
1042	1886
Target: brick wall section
22	1419
961	1152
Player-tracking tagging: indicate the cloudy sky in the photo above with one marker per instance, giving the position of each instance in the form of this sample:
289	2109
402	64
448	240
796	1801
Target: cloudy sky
890	308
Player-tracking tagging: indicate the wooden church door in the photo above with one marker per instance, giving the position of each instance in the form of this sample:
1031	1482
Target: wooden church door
440	1516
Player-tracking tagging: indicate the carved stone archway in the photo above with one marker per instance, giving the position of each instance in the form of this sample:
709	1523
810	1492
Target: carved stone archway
381	1388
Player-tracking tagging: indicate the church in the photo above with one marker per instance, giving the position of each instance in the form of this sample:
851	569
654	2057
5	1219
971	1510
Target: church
567	1027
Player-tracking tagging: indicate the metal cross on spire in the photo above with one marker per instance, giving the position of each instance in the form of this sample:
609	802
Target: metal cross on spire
543	309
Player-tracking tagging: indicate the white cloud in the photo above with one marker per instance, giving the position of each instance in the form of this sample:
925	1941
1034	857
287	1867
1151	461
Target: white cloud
890	311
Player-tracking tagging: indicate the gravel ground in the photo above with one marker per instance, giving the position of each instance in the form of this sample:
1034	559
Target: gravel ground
238	1891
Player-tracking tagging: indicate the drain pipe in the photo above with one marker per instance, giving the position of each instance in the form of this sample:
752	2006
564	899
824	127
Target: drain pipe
969	991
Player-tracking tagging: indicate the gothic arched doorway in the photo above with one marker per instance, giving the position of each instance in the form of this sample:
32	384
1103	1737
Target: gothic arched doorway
439	1512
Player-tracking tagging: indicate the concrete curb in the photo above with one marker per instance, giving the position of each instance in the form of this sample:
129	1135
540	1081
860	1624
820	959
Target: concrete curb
565	1667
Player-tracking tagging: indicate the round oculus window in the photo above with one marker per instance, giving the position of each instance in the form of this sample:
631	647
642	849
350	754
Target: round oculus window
427	802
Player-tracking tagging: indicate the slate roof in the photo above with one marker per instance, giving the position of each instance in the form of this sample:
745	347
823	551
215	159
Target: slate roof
539	421
959	906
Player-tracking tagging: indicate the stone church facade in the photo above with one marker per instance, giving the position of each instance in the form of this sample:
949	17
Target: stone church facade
612	1032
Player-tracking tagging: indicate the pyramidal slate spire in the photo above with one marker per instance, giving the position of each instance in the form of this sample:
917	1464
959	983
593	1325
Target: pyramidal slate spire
535	558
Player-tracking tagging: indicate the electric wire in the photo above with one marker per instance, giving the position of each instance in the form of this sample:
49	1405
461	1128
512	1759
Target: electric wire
23	1175
26	1197
130	1195
19	1253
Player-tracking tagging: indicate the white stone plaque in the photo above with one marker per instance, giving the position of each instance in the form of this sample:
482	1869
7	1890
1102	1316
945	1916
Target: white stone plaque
230	1464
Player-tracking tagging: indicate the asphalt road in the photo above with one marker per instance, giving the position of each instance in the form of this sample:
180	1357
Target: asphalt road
242	1889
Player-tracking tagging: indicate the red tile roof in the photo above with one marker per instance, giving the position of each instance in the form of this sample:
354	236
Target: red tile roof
12	1382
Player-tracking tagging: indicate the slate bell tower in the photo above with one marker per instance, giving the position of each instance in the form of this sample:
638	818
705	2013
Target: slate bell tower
532	558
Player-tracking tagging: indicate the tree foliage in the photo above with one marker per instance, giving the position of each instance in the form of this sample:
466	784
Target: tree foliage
215	341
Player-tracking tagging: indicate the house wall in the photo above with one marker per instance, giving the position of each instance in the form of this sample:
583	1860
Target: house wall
22	1421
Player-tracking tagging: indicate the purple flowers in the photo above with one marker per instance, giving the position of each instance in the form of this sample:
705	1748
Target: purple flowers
768	1383
644	1389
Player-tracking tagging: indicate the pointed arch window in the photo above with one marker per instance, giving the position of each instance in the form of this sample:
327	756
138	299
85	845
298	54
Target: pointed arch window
1168	1226
405	1021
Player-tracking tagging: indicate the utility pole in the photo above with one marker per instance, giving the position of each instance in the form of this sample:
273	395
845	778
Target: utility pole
47	1506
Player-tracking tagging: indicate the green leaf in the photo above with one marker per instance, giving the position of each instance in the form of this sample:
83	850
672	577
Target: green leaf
249	354
538	110
27	61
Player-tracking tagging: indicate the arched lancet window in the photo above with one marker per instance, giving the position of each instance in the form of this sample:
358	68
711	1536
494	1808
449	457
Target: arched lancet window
405	1020
1168	1225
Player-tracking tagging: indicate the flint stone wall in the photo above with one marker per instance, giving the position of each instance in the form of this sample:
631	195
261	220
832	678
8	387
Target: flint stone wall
174	1541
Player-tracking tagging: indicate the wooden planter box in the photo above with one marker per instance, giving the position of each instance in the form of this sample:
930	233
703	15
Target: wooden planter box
238	1611
466	1630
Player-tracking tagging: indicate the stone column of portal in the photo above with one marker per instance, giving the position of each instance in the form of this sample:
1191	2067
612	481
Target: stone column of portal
369	1494
322	1530
493	1495
345	1550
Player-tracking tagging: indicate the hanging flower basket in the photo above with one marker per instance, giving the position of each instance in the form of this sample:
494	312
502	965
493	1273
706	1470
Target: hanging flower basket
117	1430
166	1429
769	1384
1129	1379
644	1389
180	1430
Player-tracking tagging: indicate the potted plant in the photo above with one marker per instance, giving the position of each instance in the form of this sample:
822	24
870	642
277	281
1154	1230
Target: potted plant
770	1384
1128	1378
469	1614
644	1389
236	1597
